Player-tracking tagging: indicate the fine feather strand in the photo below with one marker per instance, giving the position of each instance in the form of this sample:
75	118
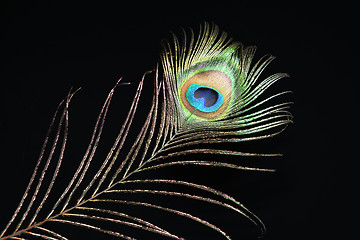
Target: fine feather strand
174	211
130	224
91	227
207	189
135	219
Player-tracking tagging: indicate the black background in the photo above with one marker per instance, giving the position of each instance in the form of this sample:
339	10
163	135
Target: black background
47	48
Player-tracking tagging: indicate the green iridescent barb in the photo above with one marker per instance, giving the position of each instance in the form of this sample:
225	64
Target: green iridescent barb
209	93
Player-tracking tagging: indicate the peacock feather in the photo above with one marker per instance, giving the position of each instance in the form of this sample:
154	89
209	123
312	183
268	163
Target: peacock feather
207	92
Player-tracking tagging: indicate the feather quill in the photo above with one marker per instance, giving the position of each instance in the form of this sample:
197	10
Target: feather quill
207	94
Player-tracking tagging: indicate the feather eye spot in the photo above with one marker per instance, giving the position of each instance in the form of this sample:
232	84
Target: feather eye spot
204	99
206	94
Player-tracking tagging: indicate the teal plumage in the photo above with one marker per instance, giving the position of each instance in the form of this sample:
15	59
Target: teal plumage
208	91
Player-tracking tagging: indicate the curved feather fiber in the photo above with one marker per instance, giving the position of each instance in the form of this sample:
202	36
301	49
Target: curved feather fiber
170	132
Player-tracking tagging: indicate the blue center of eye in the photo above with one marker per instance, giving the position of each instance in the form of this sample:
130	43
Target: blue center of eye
210	95
204	98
